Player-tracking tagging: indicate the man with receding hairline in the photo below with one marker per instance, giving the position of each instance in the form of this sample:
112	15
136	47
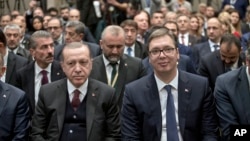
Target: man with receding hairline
77	108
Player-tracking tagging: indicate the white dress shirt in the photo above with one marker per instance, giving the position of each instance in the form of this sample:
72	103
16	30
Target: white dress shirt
211	45
163	100
38	78
186	40
132	50
109	69
83	90
5	61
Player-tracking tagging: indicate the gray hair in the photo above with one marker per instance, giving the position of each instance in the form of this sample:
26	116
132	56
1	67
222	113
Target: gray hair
36	35
114	30
77	25
12	27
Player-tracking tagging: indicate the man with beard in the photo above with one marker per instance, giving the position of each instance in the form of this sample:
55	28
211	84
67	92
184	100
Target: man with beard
119	69
64	12
228	58
42	70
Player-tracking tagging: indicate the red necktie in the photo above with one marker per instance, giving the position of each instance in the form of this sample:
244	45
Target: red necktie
45	79
76	100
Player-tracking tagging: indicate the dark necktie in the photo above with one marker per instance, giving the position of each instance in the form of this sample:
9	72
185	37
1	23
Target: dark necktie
129	50
56	43
45	79
227	69
76	100
114	71
182	40
216	47
172	133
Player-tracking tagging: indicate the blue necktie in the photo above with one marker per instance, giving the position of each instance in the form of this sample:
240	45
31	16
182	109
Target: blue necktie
129	50
172	133
216	47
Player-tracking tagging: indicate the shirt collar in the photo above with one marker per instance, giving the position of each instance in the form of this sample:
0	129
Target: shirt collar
83	88
173	83
211	43
38	69
106	61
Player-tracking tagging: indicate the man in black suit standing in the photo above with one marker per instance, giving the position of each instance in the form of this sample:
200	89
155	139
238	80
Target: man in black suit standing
14	111
42	70
133	47
119	69
77	108
12	62
229	57
74	32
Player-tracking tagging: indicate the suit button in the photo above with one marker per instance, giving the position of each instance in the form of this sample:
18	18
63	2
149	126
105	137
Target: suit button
70	131
74	116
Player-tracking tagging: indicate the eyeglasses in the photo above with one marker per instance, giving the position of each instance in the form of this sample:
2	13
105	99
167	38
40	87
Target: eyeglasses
166	51
53	27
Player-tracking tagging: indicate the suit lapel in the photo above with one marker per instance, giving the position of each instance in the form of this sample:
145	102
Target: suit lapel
184	92
4	96
100	67
137	50
243	92
220	65
154	100
92	99
56	72
120	83
61	97
10	67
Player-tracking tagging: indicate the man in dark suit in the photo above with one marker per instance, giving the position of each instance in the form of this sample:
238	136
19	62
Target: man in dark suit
77	108
31	77
14	111
11	61
232	98
133	47
13	35
74	32
150	111
55	28
228	58
214	33
118	69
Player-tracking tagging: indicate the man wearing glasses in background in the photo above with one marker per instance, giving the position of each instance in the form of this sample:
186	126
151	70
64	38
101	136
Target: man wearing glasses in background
168	104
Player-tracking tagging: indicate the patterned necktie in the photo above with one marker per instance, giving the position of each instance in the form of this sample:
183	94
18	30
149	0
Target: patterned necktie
172	132
45	79
76	100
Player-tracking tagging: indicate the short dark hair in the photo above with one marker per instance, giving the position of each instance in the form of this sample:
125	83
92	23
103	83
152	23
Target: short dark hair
231	39
129	23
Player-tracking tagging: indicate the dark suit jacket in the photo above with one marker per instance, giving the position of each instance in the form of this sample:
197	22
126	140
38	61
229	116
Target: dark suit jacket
140	50
130	69
26	80
24	53
184	64
141	113
232	100
240	5
14	63
102	113
212	66
94	49
200	50
245	41
14	114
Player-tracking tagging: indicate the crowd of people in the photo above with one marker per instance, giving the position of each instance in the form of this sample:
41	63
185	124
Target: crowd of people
106	70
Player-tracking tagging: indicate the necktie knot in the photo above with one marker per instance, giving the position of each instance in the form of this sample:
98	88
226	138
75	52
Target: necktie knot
76	100
168	88
216	46
129	50
44	77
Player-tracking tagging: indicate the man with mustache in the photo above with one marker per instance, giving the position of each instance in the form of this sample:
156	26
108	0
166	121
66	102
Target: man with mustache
42	70
228	58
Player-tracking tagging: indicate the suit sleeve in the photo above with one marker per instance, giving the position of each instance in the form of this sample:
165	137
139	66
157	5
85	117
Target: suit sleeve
22	119
113	120
130	126
225	109
209	118
39	120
